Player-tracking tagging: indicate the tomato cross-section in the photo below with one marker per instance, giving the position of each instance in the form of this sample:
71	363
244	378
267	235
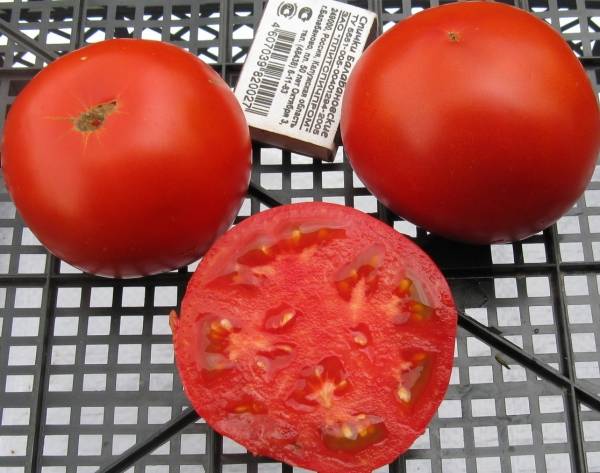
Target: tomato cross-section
317	335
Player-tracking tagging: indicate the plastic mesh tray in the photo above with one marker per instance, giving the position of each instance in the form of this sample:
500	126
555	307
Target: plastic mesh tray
86	364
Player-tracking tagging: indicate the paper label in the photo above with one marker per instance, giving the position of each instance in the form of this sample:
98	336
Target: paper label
295	74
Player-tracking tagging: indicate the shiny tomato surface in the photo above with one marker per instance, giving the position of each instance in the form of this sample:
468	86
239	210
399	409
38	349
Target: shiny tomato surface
316	335
127	157
474	120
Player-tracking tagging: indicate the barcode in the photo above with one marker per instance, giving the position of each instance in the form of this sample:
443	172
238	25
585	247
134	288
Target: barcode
272	73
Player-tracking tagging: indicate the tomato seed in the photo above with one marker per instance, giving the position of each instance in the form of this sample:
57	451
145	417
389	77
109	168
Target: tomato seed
404	287
227	325
361	335
403	394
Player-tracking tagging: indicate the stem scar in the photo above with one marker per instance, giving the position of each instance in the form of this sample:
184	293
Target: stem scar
93	118
454	36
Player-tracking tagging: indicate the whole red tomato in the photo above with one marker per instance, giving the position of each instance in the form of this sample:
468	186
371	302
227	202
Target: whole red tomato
127	157
473	120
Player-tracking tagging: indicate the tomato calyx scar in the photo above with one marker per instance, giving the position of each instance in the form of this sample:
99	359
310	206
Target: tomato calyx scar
94	117
454	36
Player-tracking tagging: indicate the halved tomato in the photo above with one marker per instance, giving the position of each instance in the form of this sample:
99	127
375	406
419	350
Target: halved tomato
317	335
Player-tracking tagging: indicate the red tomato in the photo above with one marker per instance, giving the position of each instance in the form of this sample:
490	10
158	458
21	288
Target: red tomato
127	157
473	120
317	335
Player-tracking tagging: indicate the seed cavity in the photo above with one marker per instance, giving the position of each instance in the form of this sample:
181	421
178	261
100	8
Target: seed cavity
298	239
217	332
215	340
242	277
247	405
280	318
320	385
258	256
420	311
409	303
215	365
274	359
354	433
412	373
306	236
359	273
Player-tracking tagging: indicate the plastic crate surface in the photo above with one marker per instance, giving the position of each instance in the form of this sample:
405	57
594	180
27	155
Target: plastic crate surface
86	364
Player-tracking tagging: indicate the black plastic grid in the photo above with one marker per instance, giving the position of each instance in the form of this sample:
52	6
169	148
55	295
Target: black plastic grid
86	368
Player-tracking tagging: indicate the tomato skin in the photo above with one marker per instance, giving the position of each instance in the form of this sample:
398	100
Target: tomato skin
275	412
152	187
473	120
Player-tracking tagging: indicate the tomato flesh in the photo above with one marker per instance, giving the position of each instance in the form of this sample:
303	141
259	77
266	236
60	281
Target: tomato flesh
316	335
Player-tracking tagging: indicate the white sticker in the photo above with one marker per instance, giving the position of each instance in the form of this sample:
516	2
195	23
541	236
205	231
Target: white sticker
294	77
